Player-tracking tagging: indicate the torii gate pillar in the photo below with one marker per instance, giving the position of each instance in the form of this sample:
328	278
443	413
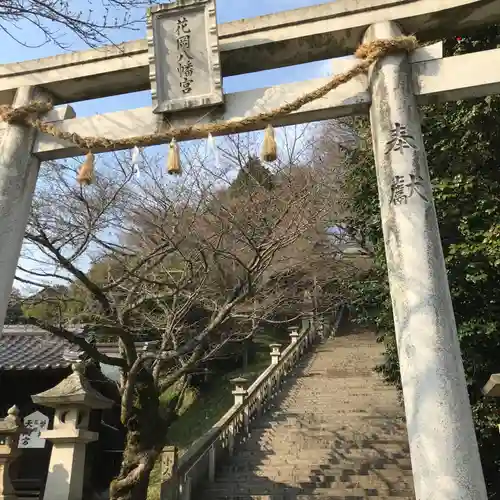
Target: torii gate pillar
18	175
444	453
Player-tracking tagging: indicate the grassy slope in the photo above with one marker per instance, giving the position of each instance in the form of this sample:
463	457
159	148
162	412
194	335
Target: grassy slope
202	411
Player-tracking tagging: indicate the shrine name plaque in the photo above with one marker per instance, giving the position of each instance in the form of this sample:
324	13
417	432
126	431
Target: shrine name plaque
36	422
184	59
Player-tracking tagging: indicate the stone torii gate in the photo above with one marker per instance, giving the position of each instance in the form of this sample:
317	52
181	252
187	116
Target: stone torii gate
443	447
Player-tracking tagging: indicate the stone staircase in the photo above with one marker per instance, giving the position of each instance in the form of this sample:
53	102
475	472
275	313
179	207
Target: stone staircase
336	431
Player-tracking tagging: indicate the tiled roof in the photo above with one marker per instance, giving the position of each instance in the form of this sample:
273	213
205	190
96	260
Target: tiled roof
30	348
24	347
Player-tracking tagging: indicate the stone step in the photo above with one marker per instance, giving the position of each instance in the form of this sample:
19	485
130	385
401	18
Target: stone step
348	451
363	433
378	481
339	431
309	464
342	383
330	477
256	488
314	468
294	496
236	491
299	449
237	466
272	457
335	423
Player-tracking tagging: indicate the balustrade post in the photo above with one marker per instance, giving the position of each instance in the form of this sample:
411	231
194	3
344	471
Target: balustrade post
294	338
240	389
212	458
240	393
312	331
275	353
258	403
294	334
321	326
305	321
230	441
246	419
327	325
169	473
186	488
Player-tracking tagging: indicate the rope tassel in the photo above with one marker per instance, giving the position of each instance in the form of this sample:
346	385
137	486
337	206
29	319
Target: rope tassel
85	175
213	146
174	159
136	156
269	147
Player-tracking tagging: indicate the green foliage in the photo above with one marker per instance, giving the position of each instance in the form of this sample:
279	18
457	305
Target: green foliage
254	174
48	304
462	141
14	313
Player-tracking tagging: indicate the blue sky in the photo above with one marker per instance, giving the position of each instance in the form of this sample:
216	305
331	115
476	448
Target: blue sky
227	10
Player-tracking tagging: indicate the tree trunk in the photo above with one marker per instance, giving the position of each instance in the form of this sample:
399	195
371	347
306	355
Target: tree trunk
146	431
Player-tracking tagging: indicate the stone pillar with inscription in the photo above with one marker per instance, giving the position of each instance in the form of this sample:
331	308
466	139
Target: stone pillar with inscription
170	479
444	453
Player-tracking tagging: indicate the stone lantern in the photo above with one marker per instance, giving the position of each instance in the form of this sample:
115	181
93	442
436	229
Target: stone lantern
72	400
10	430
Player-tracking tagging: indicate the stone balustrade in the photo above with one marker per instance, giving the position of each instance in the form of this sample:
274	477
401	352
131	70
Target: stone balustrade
183	475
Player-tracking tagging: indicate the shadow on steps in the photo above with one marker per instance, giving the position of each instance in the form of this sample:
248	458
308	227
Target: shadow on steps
317	449
347	328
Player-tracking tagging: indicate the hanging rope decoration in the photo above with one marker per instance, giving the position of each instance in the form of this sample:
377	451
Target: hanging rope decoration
212	145
135	159
174	158
85	175
269	146
30	114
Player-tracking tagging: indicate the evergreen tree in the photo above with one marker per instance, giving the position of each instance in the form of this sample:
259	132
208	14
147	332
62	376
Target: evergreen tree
14	309
251	176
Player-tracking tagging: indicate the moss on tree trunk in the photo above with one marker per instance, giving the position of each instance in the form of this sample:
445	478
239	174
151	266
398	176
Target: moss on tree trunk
146	430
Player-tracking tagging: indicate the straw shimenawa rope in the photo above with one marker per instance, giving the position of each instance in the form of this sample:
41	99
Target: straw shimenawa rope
369	53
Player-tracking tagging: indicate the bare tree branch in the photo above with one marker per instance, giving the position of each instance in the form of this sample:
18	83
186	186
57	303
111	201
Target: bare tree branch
56	19
195	265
